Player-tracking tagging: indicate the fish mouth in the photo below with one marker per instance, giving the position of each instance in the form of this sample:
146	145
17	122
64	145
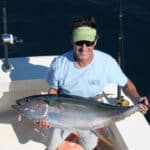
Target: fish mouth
16	107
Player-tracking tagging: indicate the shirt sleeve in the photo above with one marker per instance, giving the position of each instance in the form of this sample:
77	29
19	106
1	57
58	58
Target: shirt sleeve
53	75
115	74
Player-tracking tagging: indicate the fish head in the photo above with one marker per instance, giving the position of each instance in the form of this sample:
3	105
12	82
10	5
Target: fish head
31	108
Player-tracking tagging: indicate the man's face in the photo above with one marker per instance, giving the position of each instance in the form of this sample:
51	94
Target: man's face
84	49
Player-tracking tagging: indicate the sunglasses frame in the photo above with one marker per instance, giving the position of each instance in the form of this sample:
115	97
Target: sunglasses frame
87	43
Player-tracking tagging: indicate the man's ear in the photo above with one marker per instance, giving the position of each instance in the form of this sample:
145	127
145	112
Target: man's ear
95	42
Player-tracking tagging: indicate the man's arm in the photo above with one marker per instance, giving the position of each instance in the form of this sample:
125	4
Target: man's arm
130	90
52	91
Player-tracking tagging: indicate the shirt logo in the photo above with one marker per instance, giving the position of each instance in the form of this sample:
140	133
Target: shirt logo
94	82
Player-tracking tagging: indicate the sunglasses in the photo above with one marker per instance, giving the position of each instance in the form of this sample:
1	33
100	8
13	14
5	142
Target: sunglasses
87	43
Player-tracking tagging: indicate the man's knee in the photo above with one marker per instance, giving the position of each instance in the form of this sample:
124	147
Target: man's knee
88	140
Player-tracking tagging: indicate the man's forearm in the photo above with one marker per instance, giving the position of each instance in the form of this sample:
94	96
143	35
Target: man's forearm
130	90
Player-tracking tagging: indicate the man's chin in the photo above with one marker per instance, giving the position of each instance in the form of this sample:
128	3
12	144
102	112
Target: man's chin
83	58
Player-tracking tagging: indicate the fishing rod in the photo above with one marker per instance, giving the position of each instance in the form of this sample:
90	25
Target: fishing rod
7	38
120	50
121	44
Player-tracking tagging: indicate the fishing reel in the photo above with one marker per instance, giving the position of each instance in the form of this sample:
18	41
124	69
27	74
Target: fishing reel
122	102
10	39
6	40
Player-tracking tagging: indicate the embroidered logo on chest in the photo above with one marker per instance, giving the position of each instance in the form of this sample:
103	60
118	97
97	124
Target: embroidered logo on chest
94	82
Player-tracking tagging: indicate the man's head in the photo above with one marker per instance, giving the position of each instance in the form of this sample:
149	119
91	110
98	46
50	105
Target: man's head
84	37
84	29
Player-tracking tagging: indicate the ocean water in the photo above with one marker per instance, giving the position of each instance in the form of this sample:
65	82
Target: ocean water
45	27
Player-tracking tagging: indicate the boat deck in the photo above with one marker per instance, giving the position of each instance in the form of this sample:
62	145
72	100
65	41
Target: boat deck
19	135
132	133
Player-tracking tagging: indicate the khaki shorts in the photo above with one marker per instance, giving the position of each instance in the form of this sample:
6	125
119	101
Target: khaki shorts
87	139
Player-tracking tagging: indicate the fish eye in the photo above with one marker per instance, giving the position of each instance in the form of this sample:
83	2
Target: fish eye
27	100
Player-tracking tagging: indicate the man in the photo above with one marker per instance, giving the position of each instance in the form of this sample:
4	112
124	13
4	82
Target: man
85	71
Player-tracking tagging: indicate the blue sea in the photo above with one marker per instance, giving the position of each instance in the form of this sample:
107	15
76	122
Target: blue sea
45	28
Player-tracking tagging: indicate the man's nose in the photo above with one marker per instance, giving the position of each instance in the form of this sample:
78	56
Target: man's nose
84	47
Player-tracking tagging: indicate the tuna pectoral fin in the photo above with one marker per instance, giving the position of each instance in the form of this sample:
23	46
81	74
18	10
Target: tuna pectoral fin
99	96
101	135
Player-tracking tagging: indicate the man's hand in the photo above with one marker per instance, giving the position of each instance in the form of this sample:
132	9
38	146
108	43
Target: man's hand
145	107
43	124
130	90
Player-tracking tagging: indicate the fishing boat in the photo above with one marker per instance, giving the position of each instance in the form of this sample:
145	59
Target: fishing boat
25	76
